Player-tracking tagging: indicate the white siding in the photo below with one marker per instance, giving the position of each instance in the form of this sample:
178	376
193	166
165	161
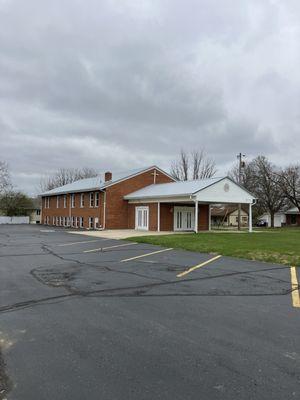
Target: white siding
225	191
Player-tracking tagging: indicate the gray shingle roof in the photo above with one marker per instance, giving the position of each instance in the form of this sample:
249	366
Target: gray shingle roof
184	188
95	183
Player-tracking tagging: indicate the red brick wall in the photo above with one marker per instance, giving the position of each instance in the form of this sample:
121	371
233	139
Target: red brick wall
117	207
203	217
77	211
167	216
288	220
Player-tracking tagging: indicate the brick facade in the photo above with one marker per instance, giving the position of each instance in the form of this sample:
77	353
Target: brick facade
293	220
167	215
116	209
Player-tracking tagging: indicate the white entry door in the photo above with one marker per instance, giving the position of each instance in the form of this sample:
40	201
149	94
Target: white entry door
184	218
142	218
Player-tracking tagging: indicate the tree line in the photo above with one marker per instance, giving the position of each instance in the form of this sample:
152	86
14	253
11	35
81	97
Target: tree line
275	188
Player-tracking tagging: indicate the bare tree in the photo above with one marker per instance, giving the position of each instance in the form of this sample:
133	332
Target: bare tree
260	177
268	189
64	176
5	182
289	180
194	165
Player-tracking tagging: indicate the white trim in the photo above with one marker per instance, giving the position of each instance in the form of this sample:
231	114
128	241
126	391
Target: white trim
158	216
250	217
143	227
182	225
196	216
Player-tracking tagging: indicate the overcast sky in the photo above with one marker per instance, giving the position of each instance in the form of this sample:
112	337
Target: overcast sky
117	84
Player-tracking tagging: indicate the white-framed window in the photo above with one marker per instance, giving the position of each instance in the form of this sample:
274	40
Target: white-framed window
80	222
82	200
53	221
65	201
61	221
67	221
92	199
97	199
73	200
91	222
73	222
57	201
47	202
57	221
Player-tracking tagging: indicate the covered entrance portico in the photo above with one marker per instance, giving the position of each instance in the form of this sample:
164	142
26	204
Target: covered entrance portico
184	206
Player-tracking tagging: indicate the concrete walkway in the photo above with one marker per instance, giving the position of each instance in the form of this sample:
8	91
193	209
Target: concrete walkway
123	233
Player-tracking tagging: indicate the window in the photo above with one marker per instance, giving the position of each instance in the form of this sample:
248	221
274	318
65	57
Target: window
47	202
38	212
57	221
57	201
73	222
293	219
73	200
65	201
97	199
91	222
80	222
60	221
53	221
91	199
82	200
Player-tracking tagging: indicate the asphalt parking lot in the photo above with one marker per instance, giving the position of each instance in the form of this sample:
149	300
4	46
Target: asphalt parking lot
85	318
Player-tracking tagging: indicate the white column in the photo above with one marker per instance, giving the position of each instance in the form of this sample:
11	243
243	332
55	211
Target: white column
158	216
196	216
250	217
209	217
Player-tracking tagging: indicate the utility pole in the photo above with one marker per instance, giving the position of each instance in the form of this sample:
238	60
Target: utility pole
240	157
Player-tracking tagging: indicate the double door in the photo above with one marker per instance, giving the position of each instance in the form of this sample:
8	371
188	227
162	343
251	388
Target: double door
184	218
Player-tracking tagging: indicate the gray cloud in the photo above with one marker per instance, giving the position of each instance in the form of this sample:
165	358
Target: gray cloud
111	84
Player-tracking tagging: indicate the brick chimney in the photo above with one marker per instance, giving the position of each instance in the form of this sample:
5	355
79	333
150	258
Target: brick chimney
108	176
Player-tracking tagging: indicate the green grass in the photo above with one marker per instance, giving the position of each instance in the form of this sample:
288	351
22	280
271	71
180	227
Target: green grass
272	245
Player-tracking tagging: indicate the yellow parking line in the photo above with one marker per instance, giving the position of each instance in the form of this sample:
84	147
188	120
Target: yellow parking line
197	266
295	288
109	247
146	255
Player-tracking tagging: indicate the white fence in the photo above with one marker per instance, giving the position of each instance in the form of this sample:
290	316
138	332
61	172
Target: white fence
14	220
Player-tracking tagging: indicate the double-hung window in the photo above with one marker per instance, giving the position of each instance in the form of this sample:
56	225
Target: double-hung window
92	199
97	199
91	222
72	200
65	201
82	200
57	201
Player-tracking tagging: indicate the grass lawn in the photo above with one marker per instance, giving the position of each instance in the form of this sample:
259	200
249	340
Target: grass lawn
272	245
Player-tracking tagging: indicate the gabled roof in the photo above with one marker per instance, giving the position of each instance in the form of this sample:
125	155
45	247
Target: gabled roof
293	210
97	183
182	188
